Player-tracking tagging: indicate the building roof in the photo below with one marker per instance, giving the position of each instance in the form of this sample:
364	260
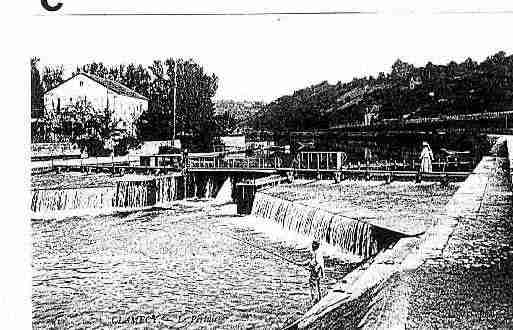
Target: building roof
109	84
115	86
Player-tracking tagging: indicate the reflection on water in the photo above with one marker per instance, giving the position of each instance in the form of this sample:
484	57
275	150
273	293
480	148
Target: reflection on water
176	268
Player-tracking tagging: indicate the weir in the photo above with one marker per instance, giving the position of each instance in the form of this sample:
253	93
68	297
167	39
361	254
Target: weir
224	195
45	200
132	192
169	188
351	235
135	192
203	186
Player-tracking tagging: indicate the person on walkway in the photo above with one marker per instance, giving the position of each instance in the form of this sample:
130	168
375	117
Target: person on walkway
426	158
316	268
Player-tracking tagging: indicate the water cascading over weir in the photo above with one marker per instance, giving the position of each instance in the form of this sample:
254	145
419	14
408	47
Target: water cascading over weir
130	192
202	186
45	200
351	235
135	193
142	192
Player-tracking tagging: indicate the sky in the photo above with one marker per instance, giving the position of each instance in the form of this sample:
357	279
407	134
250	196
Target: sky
264	57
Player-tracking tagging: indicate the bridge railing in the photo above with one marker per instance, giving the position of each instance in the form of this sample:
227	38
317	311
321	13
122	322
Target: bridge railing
496	115
163	160
439	165
130	160
329	160
319	160
235	163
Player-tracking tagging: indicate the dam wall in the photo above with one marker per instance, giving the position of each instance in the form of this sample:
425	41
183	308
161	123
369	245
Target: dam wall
129	192
350	235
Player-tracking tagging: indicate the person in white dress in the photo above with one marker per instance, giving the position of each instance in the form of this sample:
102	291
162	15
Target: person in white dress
426	158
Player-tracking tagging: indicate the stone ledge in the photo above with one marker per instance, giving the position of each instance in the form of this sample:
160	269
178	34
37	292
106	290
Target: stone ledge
409	253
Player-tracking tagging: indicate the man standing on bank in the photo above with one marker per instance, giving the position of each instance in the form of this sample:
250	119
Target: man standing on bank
316	268
426	158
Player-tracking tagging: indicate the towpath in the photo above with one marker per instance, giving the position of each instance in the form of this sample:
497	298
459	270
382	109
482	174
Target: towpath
458	275
471	285
466	279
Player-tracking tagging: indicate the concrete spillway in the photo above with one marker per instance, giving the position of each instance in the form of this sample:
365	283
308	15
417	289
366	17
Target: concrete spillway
135	193
46	200
351	235
129	192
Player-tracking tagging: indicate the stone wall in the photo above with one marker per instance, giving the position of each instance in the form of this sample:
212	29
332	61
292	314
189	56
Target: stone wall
379	293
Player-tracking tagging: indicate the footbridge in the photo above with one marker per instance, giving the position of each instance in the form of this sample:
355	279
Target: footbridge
317	164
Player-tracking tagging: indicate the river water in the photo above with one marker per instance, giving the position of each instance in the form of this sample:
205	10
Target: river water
191	266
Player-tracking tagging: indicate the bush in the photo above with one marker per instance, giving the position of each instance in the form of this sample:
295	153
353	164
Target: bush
94	146
125	144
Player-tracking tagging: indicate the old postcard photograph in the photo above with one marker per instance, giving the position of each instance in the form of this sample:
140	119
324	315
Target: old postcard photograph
266	166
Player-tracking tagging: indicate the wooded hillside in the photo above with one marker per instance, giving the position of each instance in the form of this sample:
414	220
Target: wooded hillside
406	92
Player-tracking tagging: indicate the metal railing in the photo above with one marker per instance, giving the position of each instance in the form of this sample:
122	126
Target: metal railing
432	120
94	161
304	161
213	162
438	165
319	160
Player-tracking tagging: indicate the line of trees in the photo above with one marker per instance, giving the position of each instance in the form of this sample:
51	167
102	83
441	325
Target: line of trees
196	123
406	91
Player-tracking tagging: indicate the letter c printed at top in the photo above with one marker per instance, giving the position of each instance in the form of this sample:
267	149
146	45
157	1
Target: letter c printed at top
48	7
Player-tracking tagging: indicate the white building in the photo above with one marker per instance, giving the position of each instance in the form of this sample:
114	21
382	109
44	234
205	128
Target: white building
233	143
414	82
126	104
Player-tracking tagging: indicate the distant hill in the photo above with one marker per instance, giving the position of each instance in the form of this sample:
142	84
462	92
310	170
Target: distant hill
238	110
406	92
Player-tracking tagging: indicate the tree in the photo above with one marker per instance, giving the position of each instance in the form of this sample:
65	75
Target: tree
195	89
91	128
401	70
36	86
194	107
454	88
225	123
52	76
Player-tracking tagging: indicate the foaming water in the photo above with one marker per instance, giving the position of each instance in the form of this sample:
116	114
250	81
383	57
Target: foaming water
182	267
224	195
46	200
276	232
202	187
128	192
348	234
134	193
167	189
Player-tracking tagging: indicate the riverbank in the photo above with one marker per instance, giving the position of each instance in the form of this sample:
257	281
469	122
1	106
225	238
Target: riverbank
458	275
